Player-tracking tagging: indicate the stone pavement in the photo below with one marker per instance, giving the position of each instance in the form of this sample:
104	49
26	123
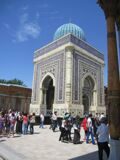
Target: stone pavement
44	145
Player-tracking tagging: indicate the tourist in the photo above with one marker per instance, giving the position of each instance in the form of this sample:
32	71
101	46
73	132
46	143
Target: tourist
19	123
51	121
66	128
28	124
32	123
90	129
12	123
103	138
7	123
76	137
84	125
1	123
25	123
77	120
101	116
54	119
62	130
42	118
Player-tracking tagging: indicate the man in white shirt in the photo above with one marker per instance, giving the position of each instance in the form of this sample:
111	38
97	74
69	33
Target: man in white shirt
103	138
42	120
90	129
54	119
102	115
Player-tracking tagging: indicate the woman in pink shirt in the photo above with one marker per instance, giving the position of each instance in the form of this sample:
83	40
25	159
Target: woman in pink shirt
25	123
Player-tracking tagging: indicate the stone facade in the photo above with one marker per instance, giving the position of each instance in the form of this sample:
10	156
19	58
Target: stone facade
75	71
15	97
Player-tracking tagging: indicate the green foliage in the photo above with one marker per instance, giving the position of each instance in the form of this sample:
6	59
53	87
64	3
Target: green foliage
12	81
3	81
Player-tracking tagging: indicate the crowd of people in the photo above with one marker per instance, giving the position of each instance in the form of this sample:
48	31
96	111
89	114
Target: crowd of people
95	128
12	122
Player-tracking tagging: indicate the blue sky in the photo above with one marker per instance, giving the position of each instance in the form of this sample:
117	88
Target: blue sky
26	25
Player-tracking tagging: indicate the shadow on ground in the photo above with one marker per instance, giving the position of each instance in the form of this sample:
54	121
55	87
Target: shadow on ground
36	132
2	140
2	158
90	156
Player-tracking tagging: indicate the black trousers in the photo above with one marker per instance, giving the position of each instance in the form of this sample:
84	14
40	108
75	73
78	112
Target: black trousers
76	138
31	128
54	125
62	134
103	146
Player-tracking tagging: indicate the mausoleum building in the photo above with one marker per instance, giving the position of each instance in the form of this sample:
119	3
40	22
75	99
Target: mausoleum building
68	75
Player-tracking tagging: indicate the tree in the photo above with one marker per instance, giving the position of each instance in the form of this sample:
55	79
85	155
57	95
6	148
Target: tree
3	81
12	81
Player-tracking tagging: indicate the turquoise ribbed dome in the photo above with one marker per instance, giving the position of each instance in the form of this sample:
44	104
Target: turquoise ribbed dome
69	28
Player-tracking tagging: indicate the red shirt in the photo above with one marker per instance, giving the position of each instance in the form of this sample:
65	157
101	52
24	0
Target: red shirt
25	119
84	124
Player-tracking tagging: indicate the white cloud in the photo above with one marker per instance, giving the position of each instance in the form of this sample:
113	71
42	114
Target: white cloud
25	8
37	15
24	18
6	25
27	29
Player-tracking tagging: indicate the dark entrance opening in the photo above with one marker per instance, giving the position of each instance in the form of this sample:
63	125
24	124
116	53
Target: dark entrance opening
88	94
48	93
86	104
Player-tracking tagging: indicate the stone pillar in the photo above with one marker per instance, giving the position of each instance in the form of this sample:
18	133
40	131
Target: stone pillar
33	99
41	96
113	80
94	98
68	88
110	9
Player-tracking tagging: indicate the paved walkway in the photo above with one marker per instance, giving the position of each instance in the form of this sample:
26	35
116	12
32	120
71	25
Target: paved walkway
44	145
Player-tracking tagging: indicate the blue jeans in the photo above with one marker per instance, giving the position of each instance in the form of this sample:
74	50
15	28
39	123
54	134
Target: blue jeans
90	132
25	128
42	124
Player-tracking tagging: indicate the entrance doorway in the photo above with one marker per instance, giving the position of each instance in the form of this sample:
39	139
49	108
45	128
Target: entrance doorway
88	94
48	94
86	104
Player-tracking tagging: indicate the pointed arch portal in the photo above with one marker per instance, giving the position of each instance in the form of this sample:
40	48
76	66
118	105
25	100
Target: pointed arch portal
87	97
48	93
